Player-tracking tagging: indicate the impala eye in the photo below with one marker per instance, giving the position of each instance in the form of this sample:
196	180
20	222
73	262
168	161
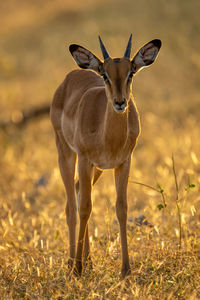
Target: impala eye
130	76
105	77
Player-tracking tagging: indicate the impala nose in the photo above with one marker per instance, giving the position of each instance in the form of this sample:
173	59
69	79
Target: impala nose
120	106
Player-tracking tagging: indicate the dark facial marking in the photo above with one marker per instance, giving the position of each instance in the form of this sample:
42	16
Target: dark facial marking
118	85
116	60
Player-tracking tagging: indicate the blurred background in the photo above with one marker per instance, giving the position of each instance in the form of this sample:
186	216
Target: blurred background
34	59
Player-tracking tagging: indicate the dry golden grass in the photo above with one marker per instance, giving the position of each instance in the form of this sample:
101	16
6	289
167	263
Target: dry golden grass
33	231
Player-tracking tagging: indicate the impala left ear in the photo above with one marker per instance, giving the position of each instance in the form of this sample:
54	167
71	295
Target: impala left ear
146	55
85	58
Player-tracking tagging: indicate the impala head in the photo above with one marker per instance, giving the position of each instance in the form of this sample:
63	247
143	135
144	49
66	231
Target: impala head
118	72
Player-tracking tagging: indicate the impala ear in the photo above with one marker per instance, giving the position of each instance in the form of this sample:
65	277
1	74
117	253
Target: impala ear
146	55
84	58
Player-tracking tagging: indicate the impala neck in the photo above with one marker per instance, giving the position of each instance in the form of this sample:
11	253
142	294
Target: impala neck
115	127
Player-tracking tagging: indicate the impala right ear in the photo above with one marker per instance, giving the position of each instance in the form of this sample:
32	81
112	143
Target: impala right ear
84	58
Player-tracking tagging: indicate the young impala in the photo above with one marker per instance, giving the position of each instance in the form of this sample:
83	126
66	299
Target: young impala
95	118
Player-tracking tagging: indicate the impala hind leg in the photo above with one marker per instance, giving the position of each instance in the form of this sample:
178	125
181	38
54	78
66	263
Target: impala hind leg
121	181
67	161
86	257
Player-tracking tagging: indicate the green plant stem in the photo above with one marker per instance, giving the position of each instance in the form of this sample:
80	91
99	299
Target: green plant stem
152	188
177	203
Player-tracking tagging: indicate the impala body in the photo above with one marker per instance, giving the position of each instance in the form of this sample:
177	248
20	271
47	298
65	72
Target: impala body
95	119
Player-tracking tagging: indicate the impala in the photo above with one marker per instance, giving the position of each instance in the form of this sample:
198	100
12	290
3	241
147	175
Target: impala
95	119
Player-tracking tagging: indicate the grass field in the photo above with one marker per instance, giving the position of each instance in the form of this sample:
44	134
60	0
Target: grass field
34	59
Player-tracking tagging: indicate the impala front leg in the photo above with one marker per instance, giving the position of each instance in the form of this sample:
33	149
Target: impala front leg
85	177
121	181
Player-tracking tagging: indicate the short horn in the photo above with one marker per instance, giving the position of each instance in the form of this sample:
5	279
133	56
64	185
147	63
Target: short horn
127	53
103	49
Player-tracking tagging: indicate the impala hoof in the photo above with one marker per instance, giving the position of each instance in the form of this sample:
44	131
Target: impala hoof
78	269
125	271
88	262
70	263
